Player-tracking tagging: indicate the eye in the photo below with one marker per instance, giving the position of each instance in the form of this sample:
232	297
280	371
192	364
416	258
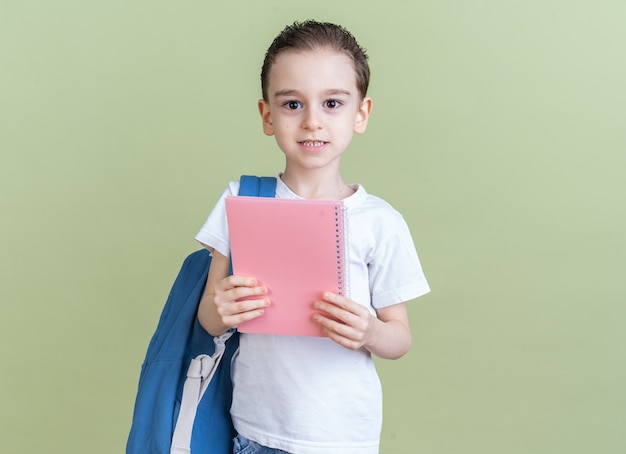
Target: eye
293	105
332	104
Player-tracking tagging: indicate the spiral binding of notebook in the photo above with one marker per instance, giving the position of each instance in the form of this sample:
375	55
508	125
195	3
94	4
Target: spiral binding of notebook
341	241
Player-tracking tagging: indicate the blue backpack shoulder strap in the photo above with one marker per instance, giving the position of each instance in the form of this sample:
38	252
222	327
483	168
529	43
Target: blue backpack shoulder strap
257	186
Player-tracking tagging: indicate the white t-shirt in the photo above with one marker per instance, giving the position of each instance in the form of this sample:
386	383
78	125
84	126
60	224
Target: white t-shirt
308	395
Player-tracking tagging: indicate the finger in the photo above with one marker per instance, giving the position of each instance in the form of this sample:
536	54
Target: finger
343	303
349	314
247	305
335	313
236	319
231	282
226	304
237	293
342	334
234	313
227	293
336	327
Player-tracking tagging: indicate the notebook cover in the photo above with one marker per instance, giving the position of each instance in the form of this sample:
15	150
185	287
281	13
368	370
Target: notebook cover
296	248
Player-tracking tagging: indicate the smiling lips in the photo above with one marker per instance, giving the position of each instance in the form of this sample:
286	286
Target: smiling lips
313	143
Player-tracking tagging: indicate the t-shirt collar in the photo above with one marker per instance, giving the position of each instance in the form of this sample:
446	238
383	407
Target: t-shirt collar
359	196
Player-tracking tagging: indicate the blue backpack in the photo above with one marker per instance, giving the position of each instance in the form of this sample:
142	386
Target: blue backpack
178	354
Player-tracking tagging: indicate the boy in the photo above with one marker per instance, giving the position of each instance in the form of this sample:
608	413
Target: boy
316	395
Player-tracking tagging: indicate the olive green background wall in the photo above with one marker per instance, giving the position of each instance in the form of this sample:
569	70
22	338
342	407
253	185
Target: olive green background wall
498	130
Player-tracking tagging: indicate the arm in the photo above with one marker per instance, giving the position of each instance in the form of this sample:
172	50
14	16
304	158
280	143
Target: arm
219	309
387	336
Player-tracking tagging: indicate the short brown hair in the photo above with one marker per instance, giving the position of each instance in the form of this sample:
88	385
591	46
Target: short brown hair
313	35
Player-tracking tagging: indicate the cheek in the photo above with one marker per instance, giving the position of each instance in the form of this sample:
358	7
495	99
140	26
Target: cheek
283	134
348	125
284	127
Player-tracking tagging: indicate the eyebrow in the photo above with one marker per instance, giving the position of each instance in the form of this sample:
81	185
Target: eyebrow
331	92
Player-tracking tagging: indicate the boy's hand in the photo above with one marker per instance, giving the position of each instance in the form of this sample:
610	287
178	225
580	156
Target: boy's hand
352	325
231	308
348	323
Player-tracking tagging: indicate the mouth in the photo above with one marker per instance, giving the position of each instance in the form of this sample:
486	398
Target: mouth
313	143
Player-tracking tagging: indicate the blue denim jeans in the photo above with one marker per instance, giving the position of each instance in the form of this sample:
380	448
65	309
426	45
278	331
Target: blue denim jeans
244	446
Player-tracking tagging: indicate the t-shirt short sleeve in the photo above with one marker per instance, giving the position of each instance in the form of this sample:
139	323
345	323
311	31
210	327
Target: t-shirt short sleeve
395	270
214	233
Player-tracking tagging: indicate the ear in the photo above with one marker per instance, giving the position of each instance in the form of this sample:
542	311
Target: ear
362	115
266	117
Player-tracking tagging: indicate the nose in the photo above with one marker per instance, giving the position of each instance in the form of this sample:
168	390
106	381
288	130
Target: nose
311	120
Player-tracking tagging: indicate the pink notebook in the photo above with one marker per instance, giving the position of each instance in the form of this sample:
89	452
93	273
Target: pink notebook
294	247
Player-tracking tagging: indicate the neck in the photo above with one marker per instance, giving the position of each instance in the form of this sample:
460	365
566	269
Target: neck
317	186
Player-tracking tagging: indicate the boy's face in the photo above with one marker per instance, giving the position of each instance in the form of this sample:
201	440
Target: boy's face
313	107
